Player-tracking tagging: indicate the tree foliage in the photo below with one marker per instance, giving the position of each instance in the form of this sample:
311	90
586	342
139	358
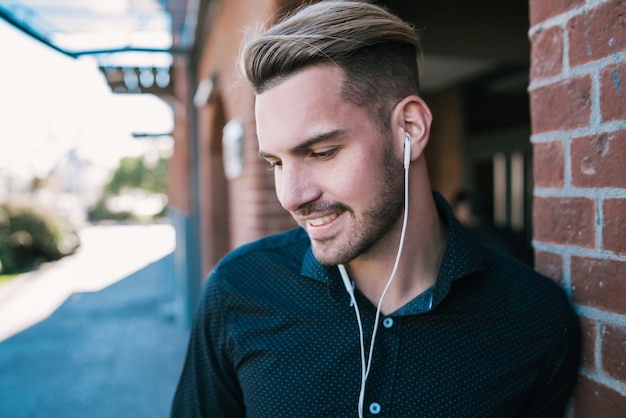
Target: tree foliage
134	173
134	176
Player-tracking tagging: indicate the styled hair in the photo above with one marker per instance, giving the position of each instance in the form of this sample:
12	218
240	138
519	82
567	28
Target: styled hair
376	51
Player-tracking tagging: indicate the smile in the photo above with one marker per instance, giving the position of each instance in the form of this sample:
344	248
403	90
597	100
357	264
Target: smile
323	220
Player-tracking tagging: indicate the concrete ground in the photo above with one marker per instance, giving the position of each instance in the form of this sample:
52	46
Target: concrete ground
92	335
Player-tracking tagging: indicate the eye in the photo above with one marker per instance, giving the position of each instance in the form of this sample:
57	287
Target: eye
273	164
325	154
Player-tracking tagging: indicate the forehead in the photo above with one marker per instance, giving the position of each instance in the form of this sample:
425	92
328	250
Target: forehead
305	104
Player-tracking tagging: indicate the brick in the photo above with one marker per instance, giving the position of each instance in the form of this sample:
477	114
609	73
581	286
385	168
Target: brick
561	106
546	53
599	283
613	92
548	164
180	190
597	33
591	399
550	264
541	10
589	327
599	160
614	351
613	235
564	221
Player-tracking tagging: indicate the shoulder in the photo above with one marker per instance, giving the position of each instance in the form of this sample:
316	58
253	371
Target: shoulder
516	275
521	290
260	262
283	247
511	301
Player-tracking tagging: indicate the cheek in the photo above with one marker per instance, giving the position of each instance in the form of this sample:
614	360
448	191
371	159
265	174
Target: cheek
354	180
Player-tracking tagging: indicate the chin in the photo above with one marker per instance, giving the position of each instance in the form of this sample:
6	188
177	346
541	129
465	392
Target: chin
332	255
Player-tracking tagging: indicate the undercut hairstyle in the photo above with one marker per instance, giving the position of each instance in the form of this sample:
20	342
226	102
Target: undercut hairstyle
376	51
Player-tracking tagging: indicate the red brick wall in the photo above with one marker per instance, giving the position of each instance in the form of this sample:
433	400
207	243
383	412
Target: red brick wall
180	192
213	186
578	110
236	211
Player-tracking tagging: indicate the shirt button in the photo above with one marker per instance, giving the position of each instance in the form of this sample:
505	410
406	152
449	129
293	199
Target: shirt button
388	322
375	408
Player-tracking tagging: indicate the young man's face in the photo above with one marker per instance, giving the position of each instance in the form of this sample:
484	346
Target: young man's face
335	172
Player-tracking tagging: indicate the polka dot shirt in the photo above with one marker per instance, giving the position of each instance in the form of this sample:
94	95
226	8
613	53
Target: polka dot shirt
275	335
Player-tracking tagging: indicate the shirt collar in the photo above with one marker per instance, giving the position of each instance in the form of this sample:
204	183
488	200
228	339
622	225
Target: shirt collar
461	258
326	274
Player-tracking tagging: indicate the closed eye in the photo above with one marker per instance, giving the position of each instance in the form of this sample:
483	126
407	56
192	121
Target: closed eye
324	155
274	164
272	160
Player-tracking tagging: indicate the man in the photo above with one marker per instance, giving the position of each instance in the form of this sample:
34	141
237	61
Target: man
380	303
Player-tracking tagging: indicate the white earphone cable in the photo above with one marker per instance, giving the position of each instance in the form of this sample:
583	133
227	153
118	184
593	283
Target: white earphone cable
365	366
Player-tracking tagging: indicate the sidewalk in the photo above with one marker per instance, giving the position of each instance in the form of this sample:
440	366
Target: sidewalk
109	348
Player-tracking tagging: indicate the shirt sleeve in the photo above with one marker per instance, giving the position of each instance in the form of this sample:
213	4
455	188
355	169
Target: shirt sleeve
556	380
208	385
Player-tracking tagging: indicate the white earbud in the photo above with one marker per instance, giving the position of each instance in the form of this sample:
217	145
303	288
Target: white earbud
407	150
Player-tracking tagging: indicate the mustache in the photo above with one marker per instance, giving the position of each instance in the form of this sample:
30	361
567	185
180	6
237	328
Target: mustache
320	207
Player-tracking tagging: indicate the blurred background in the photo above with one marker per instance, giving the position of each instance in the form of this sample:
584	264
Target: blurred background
86	248
71	150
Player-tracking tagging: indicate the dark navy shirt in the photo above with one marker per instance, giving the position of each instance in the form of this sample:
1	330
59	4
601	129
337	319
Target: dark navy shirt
275	336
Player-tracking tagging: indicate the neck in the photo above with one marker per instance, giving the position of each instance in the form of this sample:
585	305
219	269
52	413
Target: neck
419	263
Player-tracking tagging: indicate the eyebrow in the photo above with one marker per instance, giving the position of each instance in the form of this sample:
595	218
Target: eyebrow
306	145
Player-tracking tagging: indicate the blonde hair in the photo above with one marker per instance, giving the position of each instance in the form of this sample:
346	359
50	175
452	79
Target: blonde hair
376	51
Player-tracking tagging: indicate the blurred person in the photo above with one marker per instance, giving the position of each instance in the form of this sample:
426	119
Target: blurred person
471	212
464	209
380	303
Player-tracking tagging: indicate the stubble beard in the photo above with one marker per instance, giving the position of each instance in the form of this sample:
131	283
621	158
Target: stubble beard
376	222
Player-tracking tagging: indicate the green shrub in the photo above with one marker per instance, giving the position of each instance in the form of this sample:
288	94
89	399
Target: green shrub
30	235
100	212
136	178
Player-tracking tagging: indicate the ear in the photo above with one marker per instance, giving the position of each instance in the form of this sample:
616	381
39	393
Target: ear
413	116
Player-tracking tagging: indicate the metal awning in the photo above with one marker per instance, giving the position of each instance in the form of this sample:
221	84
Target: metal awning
130	39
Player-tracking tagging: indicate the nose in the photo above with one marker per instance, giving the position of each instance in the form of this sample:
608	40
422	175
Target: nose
295	186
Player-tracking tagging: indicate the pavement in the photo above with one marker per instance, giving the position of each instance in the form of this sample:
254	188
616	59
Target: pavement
93	335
